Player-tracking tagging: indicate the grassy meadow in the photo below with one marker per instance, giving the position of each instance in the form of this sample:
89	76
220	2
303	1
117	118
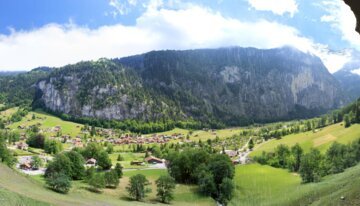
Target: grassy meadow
24	187
264	186
320	139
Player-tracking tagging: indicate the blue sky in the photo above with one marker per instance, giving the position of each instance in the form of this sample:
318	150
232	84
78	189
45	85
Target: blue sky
54	33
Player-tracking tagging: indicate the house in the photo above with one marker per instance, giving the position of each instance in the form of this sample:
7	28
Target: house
91	162
153	160
231	153
22	146
236	162
21	127
25	166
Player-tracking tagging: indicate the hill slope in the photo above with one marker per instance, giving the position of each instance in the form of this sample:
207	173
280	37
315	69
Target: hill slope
321	139
266	186
231	85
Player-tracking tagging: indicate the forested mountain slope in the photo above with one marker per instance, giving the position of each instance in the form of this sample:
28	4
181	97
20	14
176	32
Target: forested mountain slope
234	86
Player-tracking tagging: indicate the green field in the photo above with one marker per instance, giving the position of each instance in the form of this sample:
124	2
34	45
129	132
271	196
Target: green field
8	198
321	139
128	157
33	187
7	113
265	186
203	135
48	121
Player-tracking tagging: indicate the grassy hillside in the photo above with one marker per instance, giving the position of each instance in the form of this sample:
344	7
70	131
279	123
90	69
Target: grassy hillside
49	121
33	187
320	139
265	186
8	198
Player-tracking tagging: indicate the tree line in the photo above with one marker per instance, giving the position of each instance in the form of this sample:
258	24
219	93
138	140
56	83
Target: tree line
314	165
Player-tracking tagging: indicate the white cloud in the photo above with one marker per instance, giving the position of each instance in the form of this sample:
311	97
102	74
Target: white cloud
279	7
158	28
356	71
342	19
122	7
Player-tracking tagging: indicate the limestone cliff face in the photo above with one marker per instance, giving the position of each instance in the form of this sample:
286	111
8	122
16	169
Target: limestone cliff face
86	92
231	85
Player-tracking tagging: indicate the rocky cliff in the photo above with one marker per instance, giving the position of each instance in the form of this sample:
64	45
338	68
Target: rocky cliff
231	85
349	76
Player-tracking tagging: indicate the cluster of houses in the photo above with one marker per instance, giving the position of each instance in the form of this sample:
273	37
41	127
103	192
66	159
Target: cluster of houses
136	139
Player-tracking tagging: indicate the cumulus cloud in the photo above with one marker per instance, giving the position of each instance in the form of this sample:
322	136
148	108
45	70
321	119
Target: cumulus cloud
157	28
356	71
278	7
342	19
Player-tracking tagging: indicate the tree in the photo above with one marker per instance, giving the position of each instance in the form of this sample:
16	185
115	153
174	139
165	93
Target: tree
110	149
226	190
335	157
347	121
310	166
36	162
90	172
59	182
77	165
104	161
137	187
282	152
111	179
296	152
120	158
52	147
206	184
5	154
36	140
60	164
165	186
69	163
221	167
251	144
97	182
92	131
118	169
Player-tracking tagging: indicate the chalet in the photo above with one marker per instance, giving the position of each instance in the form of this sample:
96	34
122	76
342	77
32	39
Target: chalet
153	160
91	162
236	162
21	127
22	146
57	129
25	166
231	153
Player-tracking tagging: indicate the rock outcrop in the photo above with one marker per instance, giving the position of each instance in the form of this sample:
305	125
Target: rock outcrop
230	85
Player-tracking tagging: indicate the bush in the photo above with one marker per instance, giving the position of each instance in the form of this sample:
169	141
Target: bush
97	182
111	179
59	182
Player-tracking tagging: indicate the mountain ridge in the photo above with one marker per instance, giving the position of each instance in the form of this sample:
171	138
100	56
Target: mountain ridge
232	85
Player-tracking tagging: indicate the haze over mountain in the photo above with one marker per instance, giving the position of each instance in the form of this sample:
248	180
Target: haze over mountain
349	76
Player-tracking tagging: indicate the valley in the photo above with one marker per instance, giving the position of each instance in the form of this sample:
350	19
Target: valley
254	184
